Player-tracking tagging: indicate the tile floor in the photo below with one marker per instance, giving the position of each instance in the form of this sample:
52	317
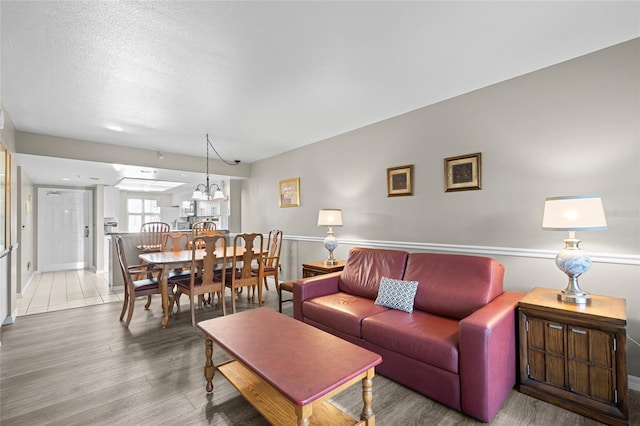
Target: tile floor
54	291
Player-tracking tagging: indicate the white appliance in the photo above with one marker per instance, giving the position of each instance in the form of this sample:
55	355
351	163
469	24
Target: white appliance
110	226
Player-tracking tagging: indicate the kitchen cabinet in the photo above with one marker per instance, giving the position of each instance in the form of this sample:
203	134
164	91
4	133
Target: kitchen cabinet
111	202
208	208
186	209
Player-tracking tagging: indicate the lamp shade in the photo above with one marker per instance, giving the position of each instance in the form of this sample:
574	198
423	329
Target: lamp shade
218	195
197	195
330	217
574	213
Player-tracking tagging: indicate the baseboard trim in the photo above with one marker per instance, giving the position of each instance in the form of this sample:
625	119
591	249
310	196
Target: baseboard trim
24	290
623	259
10	319
634	383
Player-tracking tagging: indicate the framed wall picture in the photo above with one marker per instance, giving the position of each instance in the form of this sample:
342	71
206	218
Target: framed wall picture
400	181
463	173
289	191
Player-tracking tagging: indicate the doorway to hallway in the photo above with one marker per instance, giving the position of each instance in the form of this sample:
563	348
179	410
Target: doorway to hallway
65	229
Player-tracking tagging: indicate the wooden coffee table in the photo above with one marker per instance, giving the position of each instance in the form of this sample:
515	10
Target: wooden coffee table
287	369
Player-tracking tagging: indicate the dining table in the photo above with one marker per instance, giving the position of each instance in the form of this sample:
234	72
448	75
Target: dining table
173	259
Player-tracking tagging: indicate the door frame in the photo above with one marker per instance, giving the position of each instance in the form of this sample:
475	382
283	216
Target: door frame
88	195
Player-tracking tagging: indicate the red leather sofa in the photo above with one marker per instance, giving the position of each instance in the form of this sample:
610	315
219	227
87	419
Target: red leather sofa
458	346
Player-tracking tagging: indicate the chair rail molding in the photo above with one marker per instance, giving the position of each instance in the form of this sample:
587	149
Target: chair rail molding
623	259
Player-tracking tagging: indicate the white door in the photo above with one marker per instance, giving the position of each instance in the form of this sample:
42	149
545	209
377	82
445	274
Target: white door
65	229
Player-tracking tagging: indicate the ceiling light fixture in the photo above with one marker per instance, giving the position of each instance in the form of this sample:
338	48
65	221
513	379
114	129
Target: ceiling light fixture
114	127
203	191
209	144
146	185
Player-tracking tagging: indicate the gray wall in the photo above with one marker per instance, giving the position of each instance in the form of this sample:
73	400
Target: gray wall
573	128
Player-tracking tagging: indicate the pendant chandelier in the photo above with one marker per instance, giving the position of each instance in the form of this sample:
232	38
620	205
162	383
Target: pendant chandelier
204	192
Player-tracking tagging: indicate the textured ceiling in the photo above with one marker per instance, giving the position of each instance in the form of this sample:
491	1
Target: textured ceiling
266	77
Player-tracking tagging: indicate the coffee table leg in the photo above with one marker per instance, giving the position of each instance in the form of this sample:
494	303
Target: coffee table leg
303	413
209	368
367	396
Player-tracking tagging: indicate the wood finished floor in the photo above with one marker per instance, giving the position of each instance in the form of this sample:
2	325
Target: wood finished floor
82	367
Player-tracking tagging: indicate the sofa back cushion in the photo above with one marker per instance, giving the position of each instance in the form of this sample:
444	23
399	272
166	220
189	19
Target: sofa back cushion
453	285
365	268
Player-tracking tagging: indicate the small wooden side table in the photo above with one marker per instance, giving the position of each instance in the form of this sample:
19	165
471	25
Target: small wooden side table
312	269
287	286
575	356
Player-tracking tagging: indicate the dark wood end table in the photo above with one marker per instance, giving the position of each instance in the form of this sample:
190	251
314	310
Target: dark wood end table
574	356
311	269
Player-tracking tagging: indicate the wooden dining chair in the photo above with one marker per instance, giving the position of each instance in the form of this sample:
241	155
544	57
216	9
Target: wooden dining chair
202	279
151	236
177	241
151	240
271	259
246	257
135	288
203	227
199	229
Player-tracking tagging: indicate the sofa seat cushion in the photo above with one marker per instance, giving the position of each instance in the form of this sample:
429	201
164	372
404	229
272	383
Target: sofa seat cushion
341	311
422	336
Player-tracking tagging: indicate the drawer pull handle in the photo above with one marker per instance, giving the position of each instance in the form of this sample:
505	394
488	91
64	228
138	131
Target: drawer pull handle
579	331
555	326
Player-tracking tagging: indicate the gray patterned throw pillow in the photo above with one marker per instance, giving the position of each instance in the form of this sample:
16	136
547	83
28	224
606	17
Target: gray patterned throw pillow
397	294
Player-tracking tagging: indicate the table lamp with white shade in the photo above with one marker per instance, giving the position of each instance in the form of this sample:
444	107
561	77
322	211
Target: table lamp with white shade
330	218
573	213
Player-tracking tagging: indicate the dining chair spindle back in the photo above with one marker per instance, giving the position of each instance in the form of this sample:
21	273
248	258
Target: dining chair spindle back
151	236
203	225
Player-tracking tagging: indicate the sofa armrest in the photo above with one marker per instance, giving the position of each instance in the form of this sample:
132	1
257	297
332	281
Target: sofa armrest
488	352
309	288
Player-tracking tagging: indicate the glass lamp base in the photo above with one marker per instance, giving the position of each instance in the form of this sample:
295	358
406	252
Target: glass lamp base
574	262
330	243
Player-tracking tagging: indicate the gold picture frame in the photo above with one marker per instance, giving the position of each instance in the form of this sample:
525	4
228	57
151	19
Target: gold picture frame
400	181
463	173
289	192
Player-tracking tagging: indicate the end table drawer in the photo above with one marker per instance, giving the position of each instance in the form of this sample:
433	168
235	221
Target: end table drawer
312	269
